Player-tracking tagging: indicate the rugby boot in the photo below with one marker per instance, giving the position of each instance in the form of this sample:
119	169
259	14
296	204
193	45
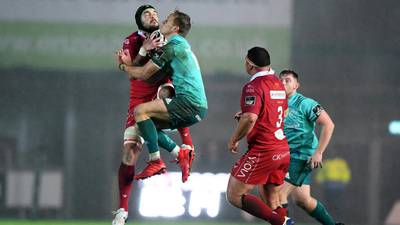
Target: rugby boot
153	167
120	217
288	221
185	157
192	154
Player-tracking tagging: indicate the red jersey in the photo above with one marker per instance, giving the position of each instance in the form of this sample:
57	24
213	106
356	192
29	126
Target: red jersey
139	88
140	91
265	96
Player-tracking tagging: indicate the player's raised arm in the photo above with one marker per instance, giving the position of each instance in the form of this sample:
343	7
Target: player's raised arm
155	40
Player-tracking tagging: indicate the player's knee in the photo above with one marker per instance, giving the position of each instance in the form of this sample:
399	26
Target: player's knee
283	196
234	198
130	153
302	202
166	92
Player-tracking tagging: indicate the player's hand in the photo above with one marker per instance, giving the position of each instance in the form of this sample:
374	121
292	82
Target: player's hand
233	145
124	56
158	38
153	42
118	57
237	115
316	160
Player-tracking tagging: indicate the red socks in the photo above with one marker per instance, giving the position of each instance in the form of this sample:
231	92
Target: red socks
185	136
281	211
125	182
256	207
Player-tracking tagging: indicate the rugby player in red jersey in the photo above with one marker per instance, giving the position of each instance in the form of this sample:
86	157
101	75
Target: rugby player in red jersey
263	107
134	46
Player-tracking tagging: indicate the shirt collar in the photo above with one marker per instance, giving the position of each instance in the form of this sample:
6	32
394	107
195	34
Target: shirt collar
142	33
262	73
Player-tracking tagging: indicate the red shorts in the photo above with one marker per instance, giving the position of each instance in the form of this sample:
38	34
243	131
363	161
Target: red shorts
262	167
130	116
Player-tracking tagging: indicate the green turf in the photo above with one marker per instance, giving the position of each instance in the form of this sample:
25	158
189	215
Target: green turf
60	222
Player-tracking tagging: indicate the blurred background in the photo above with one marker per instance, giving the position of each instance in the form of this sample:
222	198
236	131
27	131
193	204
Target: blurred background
63	104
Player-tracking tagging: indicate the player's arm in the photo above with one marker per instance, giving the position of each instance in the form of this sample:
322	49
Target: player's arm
140	72
327	127
245	125
140	60
149	44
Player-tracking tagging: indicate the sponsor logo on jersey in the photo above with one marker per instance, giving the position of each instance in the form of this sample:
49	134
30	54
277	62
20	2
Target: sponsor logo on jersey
277	94
280	156
126	41
247	166
250	100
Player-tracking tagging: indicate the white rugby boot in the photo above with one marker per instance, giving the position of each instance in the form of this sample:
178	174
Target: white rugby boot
120	217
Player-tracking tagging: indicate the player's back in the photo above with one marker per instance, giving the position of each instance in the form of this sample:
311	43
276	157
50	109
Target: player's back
186	77
267	133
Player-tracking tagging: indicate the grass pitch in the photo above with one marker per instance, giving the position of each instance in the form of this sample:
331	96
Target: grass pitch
62	222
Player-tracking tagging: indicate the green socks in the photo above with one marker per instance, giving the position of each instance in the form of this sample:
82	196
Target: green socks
320	214
165	141
149	134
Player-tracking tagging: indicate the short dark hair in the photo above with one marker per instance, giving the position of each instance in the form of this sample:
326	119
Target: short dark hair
287	72
259	56
182	20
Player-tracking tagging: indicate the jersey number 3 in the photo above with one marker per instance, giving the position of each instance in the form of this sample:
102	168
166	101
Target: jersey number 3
279	132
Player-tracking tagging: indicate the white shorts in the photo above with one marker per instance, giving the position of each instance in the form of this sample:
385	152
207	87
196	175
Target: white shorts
132	135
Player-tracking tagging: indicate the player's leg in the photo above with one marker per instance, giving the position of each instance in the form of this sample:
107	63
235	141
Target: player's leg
126	172
167	90
299	173
302	197
184	113
284	193
270	192
255	168
143	114
238	194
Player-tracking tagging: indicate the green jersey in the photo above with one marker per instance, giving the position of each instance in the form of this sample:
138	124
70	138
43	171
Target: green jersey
186	75
300	125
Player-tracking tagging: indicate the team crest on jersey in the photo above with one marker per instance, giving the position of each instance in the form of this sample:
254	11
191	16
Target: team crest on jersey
126	41
250	100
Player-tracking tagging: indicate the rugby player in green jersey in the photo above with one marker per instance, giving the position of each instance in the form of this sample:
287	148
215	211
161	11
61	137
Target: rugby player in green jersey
306	150
187	107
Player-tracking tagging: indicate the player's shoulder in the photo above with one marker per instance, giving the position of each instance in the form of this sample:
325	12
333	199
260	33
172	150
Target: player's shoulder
268	82
177	41
133	37
304	101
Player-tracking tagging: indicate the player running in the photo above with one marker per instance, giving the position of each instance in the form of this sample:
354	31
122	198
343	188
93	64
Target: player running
306	150
263	106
